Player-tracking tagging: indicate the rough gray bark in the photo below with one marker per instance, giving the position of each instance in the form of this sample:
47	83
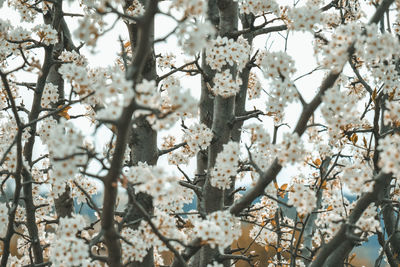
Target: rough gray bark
223	113
143	140
123	129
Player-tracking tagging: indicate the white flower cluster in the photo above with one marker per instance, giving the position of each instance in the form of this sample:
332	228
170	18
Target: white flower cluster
264	209
6	48
178	99
8	132
278	67
393	112
135	9
302	198
66	248
46	125
46	34
226	166
373	46
368	222
63	145
266	234
330	221
261	148
304	18
220	229
335	53
50	95
386	75
73	57
193	35
358	177
338	109
19	34
25	10
143	238
147	94
166	61
139	250
77	75
3	219
88	31
331	19
390	154
254	86
193	8
223	51
290	150
151	180
225	85
198	137
258	7
88	185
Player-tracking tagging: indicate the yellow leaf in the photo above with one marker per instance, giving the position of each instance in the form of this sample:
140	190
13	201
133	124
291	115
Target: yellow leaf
279	250
284	186
354	138
273	222
266	248
391	95
323	186
365	142
317	162
329	208
64	113
127	44
373	96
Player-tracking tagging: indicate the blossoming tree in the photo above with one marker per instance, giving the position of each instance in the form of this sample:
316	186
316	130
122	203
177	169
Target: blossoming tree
344	147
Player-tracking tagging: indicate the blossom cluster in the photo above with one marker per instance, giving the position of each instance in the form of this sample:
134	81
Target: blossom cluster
63	145
178	100
135	9
3	219
47	35
373	46
386	75
153	180
290	150
197	137
368	222
336	51
390	154
193	8
193	35
50	95
393	112
258	7
302	198
66	248
266	234
219	229
357	177
226	166
278	67
223	51
144	238
338	110
225	85
304	18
